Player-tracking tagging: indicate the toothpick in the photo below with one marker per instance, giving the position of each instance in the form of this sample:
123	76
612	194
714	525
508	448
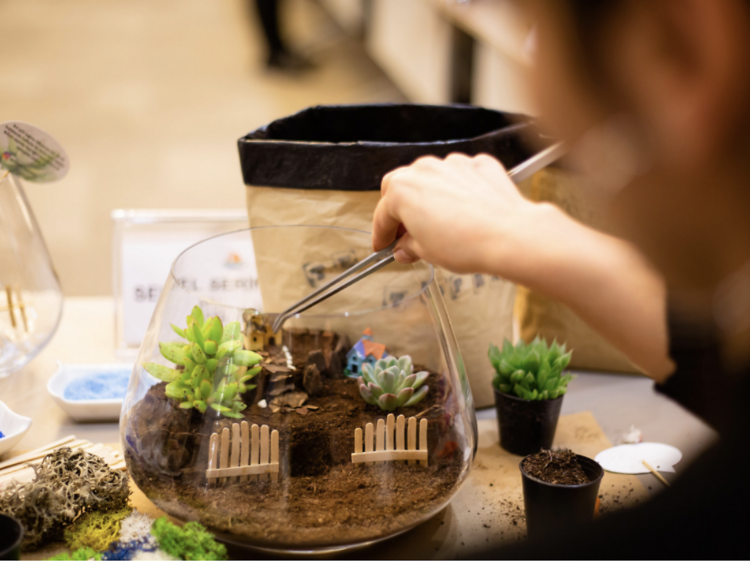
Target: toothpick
656	473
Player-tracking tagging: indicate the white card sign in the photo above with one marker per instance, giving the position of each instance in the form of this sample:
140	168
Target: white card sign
145	244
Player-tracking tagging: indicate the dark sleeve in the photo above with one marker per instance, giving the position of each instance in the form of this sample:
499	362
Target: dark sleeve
699	381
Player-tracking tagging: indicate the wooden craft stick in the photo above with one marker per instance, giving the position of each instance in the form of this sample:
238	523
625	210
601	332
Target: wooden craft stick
368	440
265	441
390	428
37	453
655	472
383	456
275	455
236	439
107	453
256	469
255	451
213	455
358	440
401	433
245	448
380	436
21	476
224	456
423	439
412	436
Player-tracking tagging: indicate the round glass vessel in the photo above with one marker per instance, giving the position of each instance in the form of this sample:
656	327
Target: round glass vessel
350	425
30	296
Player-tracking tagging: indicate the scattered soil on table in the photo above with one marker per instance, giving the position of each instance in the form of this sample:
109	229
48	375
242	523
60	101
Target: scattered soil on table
556	467
321	498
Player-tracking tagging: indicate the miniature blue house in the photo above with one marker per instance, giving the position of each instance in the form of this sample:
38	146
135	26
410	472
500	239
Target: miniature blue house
364	351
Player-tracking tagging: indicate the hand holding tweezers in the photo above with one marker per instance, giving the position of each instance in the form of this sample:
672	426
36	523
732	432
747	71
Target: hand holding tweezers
380	259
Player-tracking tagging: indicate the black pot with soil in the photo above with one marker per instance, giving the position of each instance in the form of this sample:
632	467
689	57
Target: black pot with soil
11	534
526	426
559	490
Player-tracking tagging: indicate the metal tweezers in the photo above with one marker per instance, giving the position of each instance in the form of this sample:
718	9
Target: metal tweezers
380	259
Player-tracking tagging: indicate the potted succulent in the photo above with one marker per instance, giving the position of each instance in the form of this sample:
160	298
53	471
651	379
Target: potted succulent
529	385
559	488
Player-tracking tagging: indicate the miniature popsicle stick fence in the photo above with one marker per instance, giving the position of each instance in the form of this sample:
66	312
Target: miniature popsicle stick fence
244	456
404	449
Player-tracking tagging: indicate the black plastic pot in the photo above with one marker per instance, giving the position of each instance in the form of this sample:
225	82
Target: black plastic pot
552	506
11	533
526	426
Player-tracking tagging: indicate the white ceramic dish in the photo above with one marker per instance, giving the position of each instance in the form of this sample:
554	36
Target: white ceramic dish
13	426
85	410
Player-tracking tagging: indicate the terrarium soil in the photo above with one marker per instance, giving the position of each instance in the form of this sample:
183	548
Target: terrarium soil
321	498
556	467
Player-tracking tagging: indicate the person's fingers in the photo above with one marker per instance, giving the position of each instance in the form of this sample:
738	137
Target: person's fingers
491	170
388	179
406	250
385	225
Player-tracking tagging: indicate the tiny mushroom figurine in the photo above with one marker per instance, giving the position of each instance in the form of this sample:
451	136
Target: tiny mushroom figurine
364	351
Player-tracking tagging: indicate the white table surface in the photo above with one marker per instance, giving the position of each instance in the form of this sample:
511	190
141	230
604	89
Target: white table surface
86	335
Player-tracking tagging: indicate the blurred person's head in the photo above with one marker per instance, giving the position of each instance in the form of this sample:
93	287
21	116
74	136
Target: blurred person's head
678	72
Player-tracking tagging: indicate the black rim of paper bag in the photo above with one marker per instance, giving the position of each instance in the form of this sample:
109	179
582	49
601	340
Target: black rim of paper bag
351	147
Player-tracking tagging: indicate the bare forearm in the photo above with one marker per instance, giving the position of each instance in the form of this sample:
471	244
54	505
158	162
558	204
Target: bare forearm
604	280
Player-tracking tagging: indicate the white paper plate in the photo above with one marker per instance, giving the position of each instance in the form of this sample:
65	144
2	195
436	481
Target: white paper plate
85	410
13	426
628	459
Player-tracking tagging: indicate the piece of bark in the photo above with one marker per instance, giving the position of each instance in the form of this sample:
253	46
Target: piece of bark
312	380
317	358
338	359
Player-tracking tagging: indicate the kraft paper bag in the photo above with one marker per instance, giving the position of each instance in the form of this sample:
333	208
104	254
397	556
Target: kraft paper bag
538	315
324	166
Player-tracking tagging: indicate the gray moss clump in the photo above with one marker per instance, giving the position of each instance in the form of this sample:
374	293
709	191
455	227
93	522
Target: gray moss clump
67	484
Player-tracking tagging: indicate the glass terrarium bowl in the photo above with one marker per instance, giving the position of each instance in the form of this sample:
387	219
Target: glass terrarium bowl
254	434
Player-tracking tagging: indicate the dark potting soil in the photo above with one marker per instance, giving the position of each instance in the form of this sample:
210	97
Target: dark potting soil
321	498
556	467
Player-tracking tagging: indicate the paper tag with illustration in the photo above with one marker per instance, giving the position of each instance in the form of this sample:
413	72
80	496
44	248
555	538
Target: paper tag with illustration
30	153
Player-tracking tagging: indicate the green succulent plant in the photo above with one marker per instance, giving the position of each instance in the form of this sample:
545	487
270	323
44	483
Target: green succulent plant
390	383
531	371
214	370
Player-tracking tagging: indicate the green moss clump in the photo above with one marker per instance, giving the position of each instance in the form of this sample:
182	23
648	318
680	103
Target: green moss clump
97	529
85	553
67	484
190	542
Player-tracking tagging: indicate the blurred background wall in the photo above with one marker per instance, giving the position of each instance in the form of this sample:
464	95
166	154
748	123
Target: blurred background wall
149	97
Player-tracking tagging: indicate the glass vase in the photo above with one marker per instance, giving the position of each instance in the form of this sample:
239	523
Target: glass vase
280	442
30	296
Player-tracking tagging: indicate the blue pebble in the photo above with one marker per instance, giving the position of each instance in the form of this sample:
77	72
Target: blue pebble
2	435
99	386
128	550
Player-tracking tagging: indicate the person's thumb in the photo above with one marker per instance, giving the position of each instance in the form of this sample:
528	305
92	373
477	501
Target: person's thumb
406	250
